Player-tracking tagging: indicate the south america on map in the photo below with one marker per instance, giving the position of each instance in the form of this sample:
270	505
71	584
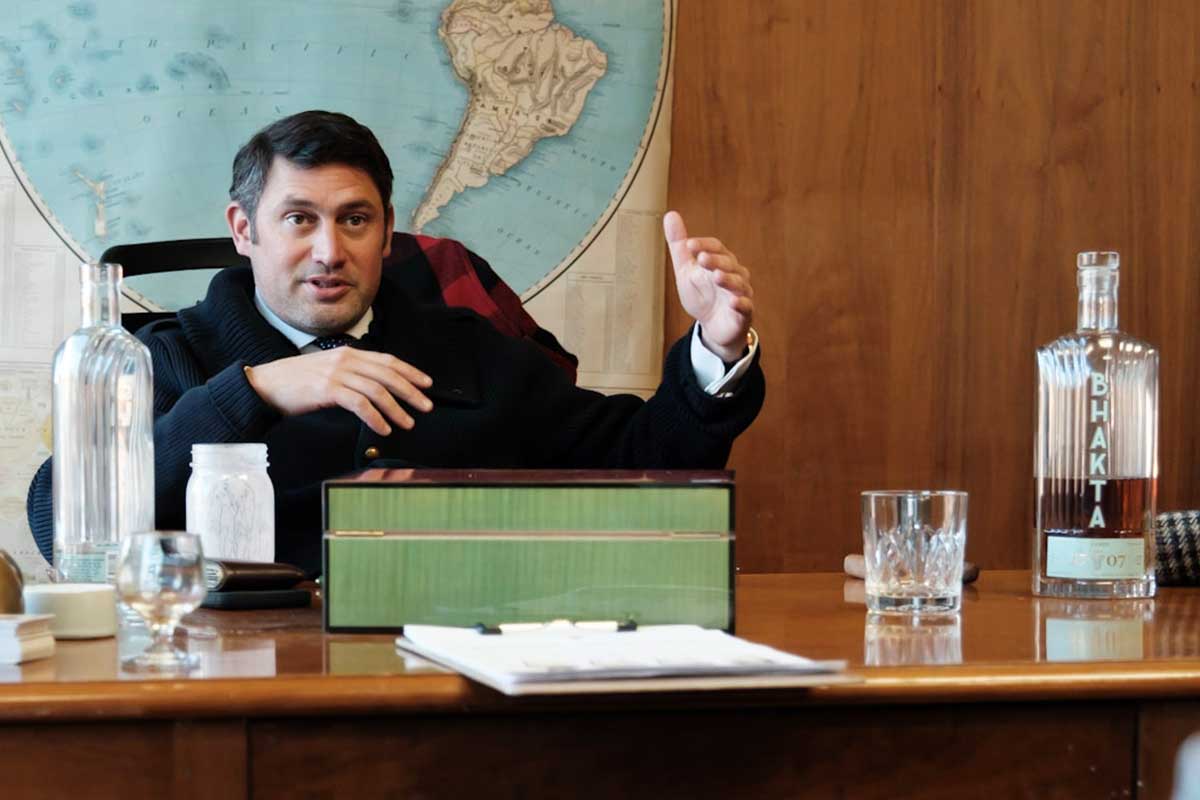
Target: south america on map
528	78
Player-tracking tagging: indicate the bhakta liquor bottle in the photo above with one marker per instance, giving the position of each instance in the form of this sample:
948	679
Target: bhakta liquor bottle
1096	452
102	411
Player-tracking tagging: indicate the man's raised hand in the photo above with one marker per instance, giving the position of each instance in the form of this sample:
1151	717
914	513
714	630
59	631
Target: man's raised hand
365	383
714	288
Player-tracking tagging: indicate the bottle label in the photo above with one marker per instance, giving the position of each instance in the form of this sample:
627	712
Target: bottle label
1095	559
1098	446
84	567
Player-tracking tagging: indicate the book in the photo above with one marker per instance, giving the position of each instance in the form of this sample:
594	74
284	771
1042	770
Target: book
15	650
394	500
24	624
560	658
460	547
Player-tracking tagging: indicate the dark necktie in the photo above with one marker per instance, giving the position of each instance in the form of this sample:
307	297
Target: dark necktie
330	342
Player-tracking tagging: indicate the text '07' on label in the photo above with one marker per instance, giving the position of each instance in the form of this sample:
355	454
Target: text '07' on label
1095	559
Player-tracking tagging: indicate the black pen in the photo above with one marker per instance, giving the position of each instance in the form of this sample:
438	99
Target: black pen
599	626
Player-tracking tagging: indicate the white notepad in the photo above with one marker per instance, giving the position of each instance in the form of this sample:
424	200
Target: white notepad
563	659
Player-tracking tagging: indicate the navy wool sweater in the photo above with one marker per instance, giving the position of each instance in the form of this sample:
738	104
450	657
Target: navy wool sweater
499	402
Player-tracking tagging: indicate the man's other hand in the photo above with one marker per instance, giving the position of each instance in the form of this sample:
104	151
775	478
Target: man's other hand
365	383
714	288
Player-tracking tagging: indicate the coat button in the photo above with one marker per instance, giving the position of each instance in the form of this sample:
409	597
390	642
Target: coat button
371	452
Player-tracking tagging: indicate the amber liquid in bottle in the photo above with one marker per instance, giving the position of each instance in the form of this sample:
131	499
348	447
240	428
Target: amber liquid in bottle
1127	507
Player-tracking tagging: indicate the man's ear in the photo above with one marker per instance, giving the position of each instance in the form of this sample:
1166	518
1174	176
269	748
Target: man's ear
388	222
239	228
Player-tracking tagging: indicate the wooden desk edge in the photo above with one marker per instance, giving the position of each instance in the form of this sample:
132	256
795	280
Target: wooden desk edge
293	696
1041	682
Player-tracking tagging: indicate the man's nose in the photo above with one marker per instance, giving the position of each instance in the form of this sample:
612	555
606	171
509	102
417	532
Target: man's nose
327	246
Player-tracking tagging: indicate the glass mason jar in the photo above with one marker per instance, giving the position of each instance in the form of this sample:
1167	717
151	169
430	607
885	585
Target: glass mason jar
103	420
1096	451
231	502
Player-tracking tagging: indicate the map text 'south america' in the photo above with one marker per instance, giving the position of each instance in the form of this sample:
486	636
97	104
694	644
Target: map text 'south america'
528	79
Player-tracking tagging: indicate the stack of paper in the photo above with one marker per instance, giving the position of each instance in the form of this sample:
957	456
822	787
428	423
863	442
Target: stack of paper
25	637
565	659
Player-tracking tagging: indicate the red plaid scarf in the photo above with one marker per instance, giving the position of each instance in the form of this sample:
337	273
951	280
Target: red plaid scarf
466	280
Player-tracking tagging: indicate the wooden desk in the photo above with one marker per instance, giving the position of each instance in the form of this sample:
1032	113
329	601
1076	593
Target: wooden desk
985	706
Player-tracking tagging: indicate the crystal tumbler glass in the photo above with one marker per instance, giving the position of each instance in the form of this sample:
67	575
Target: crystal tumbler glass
913	543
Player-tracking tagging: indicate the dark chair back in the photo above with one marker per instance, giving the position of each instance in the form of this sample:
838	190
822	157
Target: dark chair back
181	254
152	258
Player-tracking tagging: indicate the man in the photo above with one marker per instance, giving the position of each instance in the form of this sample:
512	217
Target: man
261	357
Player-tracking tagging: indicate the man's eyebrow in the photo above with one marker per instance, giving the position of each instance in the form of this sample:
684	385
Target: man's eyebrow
357	205
294	201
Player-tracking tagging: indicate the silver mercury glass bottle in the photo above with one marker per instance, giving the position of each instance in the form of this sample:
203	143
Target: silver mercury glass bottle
103	418
1096	451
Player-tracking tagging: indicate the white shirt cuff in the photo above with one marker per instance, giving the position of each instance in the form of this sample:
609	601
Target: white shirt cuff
710	369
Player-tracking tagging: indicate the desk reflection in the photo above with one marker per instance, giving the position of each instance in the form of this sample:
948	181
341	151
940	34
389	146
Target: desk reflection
228	656
1092	630
371	657
897	641
219	655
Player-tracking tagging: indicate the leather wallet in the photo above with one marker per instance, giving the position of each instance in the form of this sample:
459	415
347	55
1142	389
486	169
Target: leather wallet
228	576
262	598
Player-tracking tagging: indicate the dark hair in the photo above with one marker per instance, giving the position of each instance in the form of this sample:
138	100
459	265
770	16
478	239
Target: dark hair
308	139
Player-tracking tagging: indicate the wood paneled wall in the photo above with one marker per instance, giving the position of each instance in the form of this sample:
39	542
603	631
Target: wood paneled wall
909	181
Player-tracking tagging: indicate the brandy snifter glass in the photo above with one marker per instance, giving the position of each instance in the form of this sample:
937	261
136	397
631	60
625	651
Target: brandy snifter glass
160	575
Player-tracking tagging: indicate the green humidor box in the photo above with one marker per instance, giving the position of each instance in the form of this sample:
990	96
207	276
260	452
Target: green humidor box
440	547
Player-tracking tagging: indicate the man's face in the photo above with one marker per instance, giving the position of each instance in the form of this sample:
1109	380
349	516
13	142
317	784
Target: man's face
322	235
